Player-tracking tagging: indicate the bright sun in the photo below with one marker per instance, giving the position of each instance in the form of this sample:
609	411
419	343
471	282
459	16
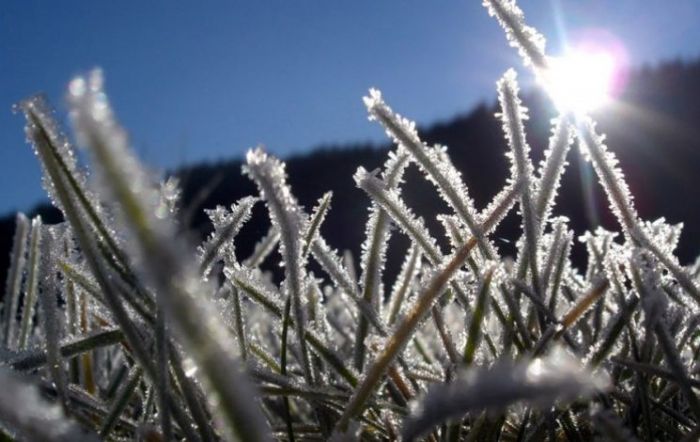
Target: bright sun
581	81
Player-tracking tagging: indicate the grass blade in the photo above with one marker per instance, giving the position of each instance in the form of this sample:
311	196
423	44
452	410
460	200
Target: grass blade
474	333
13	284
32	283
156	250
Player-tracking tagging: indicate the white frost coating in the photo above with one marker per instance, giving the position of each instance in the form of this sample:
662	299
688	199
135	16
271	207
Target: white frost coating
598	244
614	263
249	281
97	129
552	168
377	230
32	282
40	114
611	177
513	114
51	249
405	284
318	216
39	108
621	202
498	208
453	231
332	264
227	223
555	253
40	119
341	317
531	46
433	161
373	256
170	193
458	234
665	236
263	248
162	258
527	40
541	382
373	251
13	285
654	300
390	201
418	352
269	175
24	410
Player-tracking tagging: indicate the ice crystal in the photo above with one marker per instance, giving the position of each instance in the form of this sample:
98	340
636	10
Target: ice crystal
611	177
32	282
13	285
160	255
390	201
226	224
526	39
169	197
552	168
285	213
433	161
318	215
405	284
40	117
540	382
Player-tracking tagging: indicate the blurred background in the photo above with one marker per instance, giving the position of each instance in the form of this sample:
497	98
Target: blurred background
198	83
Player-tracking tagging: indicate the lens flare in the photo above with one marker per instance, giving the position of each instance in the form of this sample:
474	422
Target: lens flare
581	81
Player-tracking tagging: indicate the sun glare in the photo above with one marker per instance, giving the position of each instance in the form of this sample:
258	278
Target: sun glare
581	81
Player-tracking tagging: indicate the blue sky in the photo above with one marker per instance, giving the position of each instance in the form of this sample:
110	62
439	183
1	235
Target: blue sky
206	80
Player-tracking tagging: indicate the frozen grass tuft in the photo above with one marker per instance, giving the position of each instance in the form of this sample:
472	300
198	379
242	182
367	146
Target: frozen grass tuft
116	327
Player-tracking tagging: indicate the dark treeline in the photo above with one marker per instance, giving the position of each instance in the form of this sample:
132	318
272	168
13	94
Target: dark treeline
654	130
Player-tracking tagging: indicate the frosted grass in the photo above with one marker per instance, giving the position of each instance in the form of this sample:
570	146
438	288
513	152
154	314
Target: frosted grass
140	334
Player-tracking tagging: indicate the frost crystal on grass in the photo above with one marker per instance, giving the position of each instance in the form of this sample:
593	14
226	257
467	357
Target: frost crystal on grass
390	201
169	197
552	168
226	224
611	177
271	178
161	256
434	163
541	382
13	284
526	39
40	116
